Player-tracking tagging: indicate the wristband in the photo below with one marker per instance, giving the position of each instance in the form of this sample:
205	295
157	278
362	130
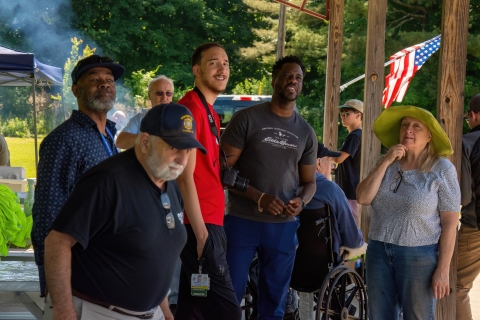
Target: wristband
260	209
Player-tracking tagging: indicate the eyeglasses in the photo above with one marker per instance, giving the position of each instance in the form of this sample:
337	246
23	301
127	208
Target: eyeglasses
465	115
398	180
161	93
345	114
170	219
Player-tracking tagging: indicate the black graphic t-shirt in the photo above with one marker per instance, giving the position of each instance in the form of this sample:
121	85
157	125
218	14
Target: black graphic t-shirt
272	149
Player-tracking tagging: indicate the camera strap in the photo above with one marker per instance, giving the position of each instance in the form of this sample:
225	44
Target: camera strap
213	126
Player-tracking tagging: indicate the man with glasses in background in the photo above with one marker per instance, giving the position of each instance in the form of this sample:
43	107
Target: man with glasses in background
116	253
160	91
75	146
347	175
469	235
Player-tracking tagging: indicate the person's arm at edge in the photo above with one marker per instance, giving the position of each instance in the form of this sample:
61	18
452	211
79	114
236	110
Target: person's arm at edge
344	155
440	279
465	178
189	193
126	140
269	202
58	271
166	310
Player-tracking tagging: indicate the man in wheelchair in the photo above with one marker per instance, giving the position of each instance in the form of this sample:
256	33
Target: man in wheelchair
314	258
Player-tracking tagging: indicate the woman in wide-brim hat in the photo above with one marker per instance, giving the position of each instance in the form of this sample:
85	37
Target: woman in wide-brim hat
415	199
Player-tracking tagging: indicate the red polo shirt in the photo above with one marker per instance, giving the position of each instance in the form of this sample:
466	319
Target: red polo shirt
206	174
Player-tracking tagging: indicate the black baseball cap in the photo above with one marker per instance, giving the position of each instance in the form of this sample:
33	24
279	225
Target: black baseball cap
94	61
173	123
474	104
324	152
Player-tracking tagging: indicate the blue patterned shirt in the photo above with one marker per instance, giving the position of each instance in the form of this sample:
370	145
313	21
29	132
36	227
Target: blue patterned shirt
66	154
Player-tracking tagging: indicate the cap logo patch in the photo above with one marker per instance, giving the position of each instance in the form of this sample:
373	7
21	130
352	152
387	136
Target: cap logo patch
187	123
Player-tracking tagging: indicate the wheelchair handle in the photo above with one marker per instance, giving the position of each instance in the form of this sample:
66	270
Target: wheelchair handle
323	220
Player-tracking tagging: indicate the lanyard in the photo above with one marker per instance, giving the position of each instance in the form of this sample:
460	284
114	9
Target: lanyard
213	126
106	144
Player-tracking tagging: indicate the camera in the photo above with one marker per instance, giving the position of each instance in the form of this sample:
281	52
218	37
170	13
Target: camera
231	179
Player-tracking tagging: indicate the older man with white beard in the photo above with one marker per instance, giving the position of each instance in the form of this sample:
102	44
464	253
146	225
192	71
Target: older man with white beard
75	146
112	256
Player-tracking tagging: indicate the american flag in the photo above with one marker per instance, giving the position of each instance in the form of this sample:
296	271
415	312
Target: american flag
405	64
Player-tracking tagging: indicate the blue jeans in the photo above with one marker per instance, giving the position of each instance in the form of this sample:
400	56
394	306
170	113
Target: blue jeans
400	278
275	244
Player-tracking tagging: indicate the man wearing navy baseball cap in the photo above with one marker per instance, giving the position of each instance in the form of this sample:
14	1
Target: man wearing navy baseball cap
346	235
121	246
75	146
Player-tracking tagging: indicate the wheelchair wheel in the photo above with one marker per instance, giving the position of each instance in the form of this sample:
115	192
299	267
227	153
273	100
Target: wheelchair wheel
342	296
251	293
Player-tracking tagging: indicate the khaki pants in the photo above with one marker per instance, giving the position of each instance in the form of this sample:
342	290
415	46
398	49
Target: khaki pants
468	268
89	311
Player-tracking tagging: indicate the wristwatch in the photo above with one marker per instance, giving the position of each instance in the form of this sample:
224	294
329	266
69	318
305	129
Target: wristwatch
303	203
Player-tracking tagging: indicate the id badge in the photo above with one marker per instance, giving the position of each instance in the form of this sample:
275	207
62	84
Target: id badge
200	283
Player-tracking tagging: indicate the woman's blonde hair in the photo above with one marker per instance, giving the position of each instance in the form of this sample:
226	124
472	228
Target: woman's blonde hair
428	158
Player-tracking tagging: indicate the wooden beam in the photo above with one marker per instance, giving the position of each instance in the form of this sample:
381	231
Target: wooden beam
302	8
372	100
450	100
333	74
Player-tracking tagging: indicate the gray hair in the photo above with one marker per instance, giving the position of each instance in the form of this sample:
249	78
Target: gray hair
160	77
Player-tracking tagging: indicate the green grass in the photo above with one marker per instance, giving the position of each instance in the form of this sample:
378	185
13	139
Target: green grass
22	154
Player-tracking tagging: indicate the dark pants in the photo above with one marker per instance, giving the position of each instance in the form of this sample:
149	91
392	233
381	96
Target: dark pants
220	302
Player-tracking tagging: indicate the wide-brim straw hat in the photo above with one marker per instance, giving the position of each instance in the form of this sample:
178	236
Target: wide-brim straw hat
387	127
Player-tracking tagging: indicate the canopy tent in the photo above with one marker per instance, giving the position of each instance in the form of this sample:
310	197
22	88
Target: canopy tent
19	68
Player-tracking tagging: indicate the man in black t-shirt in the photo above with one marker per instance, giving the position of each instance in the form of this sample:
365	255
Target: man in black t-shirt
114	244
348	172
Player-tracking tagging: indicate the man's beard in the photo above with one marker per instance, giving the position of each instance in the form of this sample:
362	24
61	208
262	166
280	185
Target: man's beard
281	93
210	84
162	171
94	103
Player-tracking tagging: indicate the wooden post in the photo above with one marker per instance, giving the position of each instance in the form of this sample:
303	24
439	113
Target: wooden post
333	73
451	75
282	19
372	100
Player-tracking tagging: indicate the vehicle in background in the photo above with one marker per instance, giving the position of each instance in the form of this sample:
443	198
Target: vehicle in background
226	105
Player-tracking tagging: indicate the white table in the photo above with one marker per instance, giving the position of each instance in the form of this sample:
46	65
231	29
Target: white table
21	277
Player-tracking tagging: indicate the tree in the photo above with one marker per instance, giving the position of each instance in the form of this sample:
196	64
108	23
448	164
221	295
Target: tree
144	34
69	100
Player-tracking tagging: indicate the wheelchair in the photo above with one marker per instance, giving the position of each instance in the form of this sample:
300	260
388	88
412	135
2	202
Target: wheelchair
339	292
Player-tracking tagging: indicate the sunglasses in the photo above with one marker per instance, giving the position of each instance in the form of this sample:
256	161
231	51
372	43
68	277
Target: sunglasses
398	180
465	115
170	219
161	93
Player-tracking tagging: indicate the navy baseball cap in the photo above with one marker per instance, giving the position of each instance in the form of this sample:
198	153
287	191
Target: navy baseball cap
324	152
173	123
94	61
